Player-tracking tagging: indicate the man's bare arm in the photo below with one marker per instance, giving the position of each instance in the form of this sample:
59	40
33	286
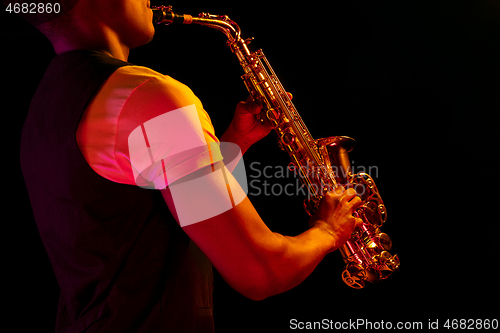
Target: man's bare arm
254	260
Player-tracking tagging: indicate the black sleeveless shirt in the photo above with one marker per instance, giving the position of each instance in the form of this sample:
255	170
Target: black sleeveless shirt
122	262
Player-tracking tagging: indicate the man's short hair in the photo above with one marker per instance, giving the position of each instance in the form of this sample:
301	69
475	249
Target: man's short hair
35	15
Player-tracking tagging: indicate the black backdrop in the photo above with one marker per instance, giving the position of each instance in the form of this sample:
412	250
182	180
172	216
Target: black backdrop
416	83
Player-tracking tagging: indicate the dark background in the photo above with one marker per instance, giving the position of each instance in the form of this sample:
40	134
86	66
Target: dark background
416	83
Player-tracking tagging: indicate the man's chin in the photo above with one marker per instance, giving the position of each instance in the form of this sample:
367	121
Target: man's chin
146	39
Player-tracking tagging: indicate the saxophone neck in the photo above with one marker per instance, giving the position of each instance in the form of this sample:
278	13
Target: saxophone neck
165	15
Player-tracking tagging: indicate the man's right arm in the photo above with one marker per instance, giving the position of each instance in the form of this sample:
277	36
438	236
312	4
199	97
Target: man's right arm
251	258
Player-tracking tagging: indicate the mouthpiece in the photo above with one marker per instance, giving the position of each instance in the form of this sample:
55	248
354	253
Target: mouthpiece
164	15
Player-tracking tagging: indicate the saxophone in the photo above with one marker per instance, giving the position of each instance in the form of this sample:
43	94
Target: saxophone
323	164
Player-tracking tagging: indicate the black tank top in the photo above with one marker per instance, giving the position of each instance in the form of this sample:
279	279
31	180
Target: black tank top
122	262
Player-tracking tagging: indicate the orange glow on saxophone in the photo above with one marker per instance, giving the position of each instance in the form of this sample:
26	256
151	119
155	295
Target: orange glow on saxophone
323	163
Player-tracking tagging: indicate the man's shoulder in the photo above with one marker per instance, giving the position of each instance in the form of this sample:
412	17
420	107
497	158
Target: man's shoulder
132	71
141	74
149	86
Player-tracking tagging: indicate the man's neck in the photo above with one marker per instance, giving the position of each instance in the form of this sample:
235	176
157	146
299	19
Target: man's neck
109	43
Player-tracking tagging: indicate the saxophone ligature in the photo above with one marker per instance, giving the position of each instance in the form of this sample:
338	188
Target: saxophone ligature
323	164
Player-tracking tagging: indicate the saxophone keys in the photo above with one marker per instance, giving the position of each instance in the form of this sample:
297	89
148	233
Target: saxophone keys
385	241
382	212
248	40
287	138
393	263
272	115
388	265
354	276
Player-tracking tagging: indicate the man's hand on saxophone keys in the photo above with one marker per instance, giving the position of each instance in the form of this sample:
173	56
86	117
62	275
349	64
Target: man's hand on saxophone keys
246	128
335	214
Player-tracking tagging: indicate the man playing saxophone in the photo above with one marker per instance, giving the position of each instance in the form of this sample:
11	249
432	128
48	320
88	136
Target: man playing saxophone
119	162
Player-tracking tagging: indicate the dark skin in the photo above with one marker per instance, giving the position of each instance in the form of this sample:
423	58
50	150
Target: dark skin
251	258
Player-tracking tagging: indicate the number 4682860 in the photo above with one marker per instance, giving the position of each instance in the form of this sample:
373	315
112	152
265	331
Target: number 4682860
471	324
33	8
